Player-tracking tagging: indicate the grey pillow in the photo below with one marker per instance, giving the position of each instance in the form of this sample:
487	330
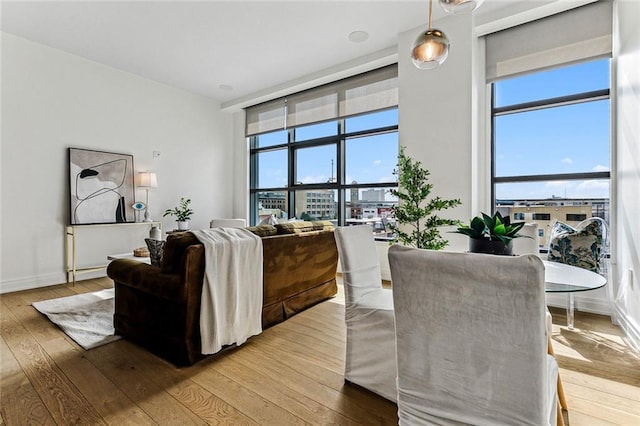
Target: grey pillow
156	247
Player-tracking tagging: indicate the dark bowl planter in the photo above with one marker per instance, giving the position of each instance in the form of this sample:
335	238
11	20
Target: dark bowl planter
490	247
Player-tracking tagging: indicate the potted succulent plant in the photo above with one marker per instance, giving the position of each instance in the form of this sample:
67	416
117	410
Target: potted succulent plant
491	234
182	212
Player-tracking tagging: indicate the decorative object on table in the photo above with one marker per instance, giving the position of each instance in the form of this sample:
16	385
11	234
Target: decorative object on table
156	251
491	234
431	47
101	187
416	209
155	233
138	206
147	180
141	252
182	212
584	246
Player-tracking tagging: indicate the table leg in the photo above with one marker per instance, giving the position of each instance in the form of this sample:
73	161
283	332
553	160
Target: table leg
570	312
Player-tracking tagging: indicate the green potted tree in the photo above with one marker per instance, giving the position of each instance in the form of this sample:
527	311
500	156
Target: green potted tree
182	212
491	234
416	209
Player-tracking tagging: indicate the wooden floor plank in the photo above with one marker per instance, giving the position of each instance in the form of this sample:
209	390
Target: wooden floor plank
139	387
290	374
108	400
252	376
65	402
176	382
250	403
358	407
19	401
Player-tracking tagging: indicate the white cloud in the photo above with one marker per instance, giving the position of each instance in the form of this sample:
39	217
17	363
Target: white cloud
377	162
385	179
314	179
567	160
600	168
559	184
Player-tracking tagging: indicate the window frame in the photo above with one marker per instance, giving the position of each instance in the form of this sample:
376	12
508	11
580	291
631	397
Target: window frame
573	99
339	141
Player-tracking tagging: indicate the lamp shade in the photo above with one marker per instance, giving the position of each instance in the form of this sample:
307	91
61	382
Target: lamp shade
459	7
430	49
147	180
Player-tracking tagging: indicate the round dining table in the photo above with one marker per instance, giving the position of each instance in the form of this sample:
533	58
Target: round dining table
563	278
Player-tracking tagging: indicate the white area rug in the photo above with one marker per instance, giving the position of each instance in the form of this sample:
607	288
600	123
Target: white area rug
86	318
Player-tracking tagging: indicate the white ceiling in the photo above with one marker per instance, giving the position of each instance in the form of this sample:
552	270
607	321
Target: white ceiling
201	46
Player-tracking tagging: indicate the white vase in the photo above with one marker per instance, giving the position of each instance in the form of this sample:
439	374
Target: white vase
183	225
155	233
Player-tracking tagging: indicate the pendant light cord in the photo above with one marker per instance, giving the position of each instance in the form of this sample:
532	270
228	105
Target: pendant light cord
430	11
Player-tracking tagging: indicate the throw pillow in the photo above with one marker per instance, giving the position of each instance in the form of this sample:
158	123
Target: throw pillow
263	230
156	249
322	225
297	227
580	246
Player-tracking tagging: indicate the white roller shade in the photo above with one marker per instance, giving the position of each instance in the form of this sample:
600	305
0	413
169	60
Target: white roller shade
571	36
371	91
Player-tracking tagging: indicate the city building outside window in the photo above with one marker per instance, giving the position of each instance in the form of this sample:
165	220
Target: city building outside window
551	145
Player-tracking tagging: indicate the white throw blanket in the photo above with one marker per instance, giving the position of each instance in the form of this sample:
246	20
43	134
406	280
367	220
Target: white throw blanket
231	309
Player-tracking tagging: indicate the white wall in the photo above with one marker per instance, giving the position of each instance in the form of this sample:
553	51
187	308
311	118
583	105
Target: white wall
627	52
52	100
436	113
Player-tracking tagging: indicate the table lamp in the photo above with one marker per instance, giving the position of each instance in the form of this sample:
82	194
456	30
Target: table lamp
147	180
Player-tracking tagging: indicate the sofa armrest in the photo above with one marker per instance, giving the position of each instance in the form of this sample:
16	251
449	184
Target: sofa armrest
146	278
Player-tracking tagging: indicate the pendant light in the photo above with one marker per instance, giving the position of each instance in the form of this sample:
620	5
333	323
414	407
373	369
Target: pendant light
431	47
459	7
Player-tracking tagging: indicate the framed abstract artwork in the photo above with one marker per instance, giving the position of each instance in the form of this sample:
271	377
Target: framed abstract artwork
102	187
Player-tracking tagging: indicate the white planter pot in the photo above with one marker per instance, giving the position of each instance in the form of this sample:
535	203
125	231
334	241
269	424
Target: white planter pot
183	226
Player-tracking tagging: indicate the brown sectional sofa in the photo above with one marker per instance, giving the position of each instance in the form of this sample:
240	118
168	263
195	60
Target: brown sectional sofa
159	307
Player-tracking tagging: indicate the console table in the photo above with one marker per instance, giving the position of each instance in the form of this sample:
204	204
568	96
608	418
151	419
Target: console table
71	268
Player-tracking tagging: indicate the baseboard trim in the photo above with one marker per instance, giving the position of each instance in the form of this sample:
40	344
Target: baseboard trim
631	329
37	281
581	302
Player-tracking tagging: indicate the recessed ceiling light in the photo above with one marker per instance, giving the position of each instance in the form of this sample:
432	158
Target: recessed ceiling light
358	36
225	87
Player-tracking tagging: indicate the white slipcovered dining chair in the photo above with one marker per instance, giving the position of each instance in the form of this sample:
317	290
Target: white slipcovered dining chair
471	339
529	243
370	359
228	223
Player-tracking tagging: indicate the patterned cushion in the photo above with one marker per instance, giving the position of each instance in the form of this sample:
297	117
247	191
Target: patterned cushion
580	246
156	249
263	230
322	225
297	227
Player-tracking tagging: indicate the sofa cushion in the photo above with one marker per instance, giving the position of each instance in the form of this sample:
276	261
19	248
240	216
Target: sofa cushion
297	227
263	230
156	250
580	246
322	225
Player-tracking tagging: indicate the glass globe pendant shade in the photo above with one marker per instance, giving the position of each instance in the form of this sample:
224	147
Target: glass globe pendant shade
430	49
459	7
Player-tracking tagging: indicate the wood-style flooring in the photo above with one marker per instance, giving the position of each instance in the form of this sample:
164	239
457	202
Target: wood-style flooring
290	374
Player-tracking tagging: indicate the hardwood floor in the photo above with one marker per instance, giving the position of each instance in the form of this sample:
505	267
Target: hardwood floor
290	374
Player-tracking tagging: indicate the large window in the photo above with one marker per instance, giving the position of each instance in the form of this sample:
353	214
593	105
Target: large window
327	154
551	144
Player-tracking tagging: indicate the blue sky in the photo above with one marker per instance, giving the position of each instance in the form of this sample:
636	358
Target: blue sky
568	139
